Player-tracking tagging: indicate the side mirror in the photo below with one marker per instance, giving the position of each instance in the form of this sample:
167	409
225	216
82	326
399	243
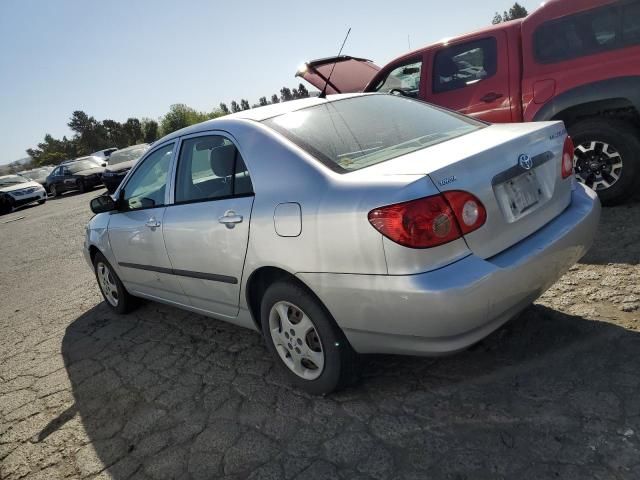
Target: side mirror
103	203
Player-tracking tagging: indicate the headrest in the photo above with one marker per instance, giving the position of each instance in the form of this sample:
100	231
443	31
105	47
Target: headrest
221	159
447	67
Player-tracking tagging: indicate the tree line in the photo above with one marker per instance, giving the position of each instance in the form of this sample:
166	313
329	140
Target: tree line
91	135
515	12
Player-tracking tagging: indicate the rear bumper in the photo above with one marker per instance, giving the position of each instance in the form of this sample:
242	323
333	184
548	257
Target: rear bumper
448	309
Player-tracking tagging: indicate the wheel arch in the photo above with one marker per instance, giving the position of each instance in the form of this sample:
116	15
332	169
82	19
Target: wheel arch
259	281
616	96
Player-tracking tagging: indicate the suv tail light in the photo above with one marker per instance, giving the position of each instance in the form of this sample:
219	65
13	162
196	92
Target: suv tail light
430	221
567	157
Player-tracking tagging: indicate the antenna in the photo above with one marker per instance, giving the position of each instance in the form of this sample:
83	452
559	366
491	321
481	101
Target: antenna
323	94
409	41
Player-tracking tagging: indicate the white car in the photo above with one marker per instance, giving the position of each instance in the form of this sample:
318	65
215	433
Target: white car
17	191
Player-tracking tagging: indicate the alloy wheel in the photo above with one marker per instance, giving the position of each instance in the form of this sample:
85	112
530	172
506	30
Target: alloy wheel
296	340
597	164
107	283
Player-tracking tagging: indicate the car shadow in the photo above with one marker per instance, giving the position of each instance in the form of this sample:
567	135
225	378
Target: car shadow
168	394
617	240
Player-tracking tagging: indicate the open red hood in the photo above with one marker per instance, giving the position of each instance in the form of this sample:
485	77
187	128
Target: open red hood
351	74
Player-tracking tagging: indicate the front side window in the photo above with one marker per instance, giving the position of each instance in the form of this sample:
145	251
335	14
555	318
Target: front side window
405	78
210	167
466	64
587	33
342	135
146	187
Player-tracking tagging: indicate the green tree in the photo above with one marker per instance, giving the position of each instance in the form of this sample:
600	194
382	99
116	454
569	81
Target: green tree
53	151
244	104
89	132
133	130
235	107
262	101
515	12
302	91
224	109
150	130
285	94
275	98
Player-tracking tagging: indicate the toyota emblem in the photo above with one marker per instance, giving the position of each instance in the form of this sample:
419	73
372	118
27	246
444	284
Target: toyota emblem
525	162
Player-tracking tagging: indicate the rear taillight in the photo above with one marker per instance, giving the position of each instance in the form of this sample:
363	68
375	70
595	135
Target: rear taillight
430	221
567	157
469	211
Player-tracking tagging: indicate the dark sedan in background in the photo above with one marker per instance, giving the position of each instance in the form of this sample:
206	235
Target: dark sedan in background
80	175
120	162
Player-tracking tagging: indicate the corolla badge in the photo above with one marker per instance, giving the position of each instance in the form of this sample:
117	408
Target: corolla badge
525	162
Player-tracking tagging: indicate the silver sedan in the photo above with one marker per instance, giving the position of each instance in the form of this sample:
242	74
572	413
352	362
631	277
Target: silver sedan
351	224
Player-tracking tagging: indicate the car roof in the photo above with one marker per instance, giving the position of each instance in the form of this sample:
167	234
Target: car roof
258	114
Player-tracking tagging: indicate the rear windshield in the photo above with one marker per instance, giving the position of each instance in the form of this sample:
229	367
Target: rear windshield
128	154
76	167
358	132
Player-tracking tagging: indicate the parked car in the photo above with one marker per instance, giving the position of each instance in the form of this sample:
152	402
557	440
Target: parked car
419	233
105	154
17	191
97	160
573	61
37	174
120	162
78	175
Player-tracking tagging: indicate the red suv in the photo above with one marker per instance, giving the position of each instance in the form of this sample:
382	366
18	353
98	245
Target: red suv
571	60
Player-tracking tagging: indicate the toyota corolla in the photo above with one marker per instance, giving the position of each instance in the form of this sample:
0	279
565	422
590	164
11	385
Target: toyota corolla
351	224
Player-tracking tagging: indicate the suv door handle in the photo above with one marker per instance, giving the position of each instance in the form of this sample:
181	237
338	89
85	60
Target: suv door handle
491	97
152	223
230	218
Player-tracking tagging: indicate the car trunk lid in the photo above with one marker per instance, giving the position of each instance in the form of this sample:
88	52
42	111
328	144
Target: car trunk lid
491	164
350	74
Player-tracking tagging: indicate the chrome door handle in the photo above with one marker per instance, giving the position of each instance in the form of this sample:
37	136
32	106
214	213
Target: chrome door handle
230	218
491	97
152	223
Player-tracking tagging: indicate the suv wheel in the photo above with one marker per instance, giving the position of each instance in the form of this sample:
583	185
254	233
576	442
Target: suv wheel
305	340
606	157
111	287
53	190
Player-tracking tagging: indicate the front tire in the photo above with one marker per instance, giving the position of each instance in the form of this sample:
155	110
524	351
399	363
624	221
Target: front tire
41	202
54	191
81	186
305	340
112	289
607	157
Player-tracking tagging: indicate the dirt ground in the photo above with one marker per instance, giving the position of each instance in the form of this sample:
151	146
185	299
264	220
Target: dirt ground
163	394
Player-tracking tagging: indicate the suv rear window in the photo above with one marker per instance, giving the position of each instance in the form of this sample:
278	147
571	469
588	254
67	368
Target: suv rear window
357	132
587	33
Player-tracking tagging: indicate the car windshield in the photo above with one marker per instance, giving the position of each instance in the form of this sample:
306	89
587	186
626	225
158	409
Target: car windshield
128	154
12	180
358	132
76	167
35	174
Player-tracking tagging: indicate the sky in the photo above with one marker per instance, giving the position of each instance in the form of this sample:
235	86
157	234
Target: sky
134	58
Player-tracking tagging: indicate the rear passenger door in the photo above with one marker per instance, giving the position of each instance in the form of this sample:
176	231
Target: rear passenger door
472	77
206	229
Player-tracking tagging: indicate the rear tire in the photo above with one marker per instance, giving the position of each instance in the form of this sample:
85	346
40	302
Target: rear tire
81	186
622	146
54	191
112	289
312	350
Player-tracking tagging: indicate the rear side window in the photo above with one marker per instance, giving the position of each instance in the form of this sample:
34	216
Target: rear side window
465	64
598	30
405	77
210	167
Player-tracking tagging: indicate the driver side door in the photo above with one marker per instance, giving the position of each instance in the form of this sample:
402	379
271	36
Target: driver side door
135	230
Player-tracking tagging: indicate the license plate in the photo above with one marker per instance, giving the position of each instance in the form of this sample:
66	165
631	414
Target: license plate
523	193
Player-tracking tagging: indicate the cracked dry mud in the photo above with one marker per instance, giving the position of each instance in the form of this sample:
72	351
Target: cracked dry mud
162	394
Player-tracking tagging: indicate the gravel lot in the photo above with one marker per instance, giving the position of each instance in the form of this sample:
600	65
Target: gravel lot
164	394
